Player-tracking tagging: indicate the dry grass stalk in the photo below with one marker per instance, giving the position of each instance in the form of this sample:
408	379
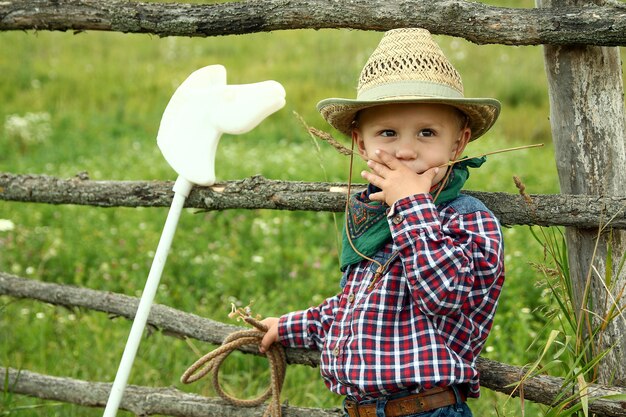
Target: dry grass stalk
528	199
522	190
517	148
326	137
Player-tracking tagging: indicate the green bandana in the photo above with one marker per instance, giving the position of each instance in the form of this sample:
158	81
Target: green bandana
367	222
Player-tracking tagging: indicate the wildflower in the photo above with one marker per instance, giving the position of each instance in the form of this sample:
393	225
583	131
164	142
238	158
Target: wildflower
262	225
32	128
6	225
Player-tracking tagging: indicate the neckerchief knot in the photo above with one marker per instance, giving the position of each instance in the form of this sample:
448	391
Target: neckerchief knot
366	220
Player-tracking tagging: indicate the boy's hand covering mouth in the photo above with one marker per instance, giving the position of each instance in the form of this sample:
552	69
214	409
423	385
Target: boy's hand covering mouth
395	179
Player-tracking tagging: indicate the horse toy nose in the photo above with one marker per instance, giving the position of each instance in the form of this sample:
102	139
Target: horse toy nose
201	109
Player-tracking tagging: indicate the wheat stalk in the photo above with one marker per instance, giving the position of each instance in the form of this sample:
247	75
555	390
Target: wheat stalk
328	138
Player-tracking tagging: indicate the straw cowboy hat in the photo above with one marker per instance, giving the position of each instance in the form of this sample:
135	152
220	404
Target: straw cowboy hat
409	67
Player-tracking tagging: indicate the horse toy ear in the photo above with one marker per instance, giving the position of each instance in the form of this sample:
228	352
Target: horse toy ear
201	109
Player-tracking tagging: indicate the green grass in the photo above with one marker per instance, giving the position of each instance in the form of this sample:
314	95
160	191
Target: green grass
104	93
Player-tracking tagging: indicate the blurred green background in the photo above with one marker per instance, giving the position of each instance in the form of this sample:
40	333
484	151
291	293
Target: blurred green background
93	101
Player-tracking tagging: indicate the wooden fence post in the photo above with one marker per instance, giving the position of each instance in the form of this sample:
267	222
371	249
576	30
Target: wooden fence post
588	128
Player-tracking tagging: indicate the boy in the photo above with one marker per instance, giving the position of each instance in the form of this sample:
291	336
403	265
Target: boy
422	264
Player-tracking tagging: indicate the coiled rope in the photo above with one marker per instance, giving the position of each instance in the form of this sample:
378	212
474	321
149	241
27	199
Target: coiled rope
211	362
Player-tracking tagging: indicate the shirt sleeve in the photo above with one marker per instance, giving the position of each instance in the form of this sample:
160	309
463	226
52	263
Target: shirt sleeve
308	328
444	254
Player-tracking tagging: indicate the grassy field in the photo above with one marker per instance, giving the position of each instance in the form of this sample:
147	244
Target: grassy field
92	102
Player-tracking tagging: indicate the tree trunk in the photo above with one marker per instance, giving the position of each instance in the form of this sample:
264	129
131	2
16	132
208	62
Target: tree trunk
588	128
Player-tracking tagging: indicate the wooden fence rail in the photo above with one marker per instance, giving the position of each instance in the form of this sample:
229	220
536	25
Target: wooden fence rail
142	401
261	193
479	23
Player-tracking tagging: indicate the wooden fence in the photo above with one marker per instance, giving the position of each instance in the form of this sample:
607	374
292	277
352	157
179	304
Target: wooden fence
559	24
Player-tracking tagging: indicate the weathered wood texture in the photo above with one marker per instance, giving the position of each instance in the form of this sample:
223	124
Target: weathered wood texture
260	193
170	321
494	375
589	130
142	401
479	23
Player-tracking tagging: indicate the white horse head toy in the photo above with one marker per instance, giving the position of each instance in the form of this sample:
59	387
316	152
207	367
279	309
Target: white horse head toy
202	108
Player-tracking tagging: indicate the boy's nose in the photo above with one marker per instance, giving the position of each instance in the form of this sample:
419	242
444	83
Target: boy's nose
405	153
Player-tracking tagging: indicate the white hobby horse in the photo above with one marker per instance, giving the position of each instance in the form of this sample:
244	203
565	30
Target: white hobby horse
202	108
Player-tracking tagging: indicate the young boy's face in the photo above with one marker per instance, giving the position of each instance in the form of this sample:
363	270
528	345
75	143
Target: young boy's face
421	135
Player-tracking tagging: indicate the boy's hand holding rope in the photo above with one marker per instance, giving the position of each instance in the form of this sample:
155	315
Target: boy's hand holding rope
212	361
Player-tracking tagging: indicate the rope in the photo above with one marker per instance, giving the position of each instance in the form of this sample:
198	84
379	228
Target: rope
211	362
347	213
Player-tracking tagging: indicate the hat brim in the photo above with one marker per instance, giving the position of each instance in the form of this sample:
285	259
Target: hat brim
482	112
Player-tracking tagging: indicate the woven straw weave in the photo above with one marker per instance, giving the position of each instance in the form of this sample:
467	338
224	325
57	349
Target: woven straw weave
408	55
409	67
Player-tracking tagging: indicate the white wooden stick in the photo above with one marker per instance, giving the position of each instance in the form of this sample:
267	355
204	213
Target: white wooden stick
182	187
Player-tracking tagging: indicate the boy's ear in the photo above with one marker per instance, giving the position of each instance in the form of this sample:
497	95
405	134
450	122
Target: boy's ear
357	139
460	144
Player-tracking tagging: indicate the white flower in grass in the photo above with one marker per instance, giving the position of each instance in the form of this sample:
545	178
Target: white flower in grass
29	129
6	225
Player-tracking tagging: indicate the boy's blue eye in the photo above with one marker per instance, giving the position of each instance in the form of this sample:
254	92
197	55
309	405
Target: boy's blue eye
428	133
388	133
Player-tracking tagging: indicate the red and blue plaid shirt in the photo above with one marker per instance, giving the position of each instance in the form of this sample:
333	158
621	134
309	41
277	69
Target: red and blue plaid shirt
425	321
